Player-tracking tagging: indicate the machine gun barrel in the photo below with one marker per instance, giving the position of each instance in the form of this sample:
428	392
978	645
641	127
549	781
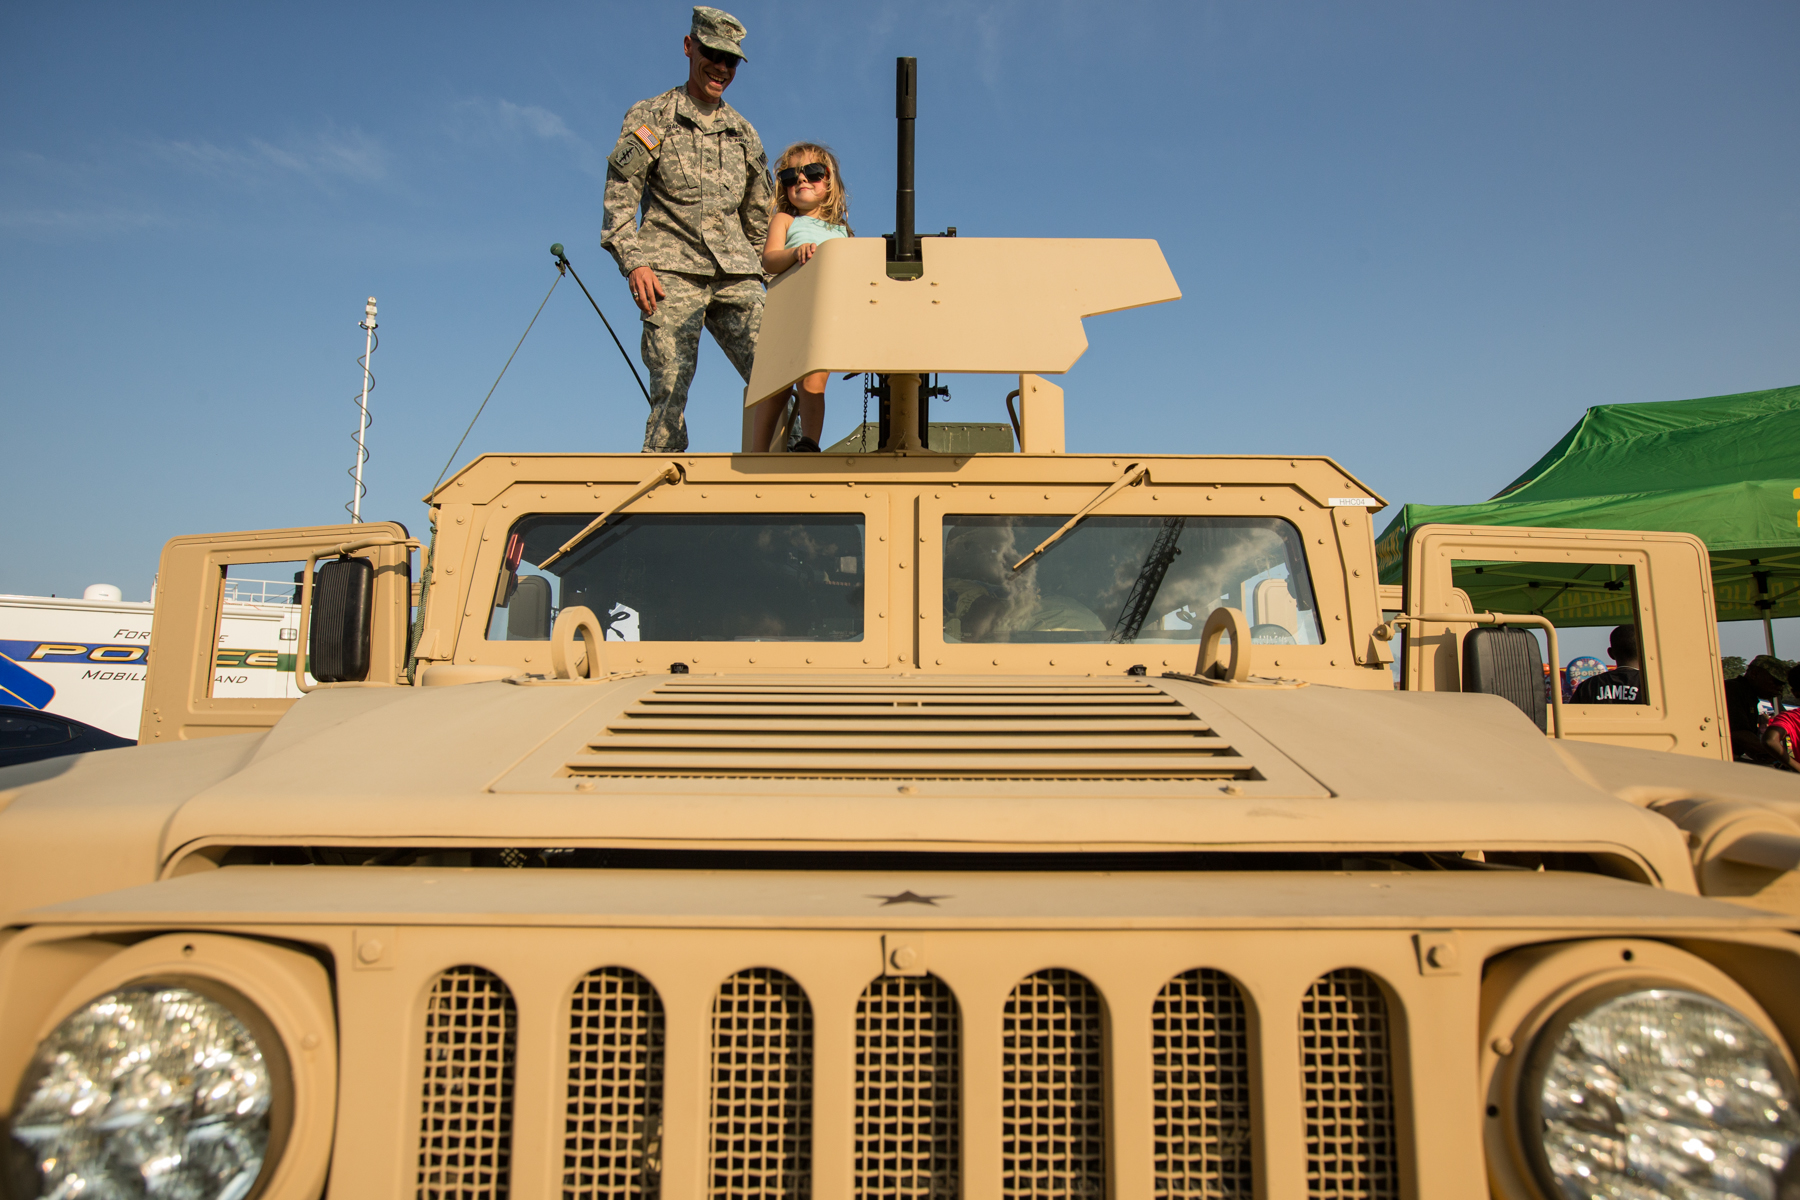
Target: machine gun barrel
906	108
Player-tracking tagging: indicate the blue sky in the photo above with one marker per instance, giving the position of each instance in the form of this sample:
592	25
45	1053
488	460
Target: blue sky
1418	237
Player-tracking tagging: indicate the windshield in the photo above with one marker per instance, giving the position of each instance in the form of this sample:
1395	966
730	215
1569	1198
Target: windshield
1124	579
726	577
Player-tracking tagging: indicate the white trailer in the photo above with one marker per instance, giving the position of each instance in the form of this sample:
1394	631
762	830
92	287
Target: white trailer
85	658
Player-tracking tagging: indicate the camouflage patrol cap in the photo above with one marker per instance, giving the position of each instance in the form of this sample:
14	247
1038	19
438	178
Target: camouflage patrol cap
718	30
1771	666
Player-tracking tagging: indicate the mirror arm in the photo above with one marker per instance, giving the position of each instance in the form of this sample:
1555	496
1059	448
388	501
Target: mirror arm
1385	632
341	550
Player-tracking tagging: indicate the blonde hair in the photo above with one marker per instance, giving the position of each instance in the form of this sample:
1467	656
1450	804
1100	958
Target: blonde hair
836	208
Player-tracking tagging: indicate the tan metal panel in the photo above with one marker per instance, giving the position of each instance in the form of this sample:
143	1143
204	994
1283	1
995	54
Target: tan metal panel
1438	1014
184	633
686	984
1675	618
998	305
1356	549
834	998
1040	416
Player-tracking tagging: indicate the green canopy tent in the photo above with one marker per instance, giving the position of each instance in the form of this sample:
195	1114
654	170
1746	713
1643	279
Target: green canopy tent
1724	468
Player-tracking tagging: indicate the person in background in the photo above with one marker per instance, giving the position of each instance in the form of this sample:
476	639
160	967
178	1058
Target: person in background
1781	738
1624	684
1764	679
700	175
811	206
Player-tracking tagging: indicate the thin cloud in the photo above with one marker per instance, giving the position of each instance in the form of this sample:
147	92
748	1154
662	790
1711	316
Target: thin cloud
540	121
990	29
502	123
324	159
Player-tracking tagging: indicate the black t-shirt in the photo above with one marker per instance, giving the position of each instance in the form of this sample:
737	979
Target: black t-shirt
1621	685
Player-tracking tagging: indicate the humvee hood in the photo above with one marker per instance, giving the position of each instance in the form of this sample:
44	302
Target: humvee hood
896	762
1562	901
68	825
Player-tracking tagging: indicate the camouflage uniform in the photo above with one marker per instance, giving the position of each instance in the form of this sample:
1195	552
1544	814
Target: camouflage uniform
702	181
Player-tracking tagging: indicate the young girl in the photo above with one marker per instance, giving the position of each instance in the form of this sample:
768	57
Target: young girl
811	206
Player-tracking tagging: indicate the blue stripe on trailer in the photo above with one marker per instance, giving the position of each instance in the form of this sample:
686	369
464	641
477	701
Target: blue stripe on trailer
18	684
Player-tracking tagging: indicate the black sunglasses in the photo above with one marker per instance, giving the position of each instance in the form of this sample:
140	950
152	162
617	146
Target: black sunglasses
814	172
723	58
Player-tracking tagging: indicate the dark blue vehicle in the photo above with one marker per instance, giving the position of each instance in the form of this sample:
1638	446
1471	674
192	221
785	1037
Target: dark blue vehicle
27	735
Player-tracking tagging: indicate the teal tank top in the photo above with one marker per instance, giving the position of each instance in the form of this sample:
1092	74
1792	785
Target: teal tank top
811	231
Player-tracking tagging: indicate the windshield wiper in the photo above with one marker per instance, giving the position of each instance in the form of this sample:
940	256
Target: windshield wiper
669	474
1132	474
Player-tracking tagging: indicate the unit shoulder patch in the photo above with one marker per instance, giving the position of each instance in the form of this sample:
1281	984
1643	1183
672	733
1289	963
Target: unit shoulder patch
635	152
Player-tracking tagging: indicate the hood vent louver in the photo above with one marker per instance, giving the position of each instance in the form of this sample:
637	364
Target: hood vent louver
902	729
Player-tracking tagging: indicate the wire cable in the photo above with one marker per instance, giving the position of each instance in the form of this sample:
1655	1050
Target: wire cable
497	379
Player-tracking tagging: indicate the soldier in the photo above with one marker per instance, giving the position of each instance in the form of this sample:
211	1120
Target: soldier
699	171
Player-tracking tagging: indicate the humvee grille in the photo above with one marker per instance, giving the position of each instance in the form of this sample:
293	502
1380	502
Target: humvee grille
465	1142
761	1088
1351	1149
613	1125
1053	1112
1200	1043
907	1116
907	1120
1122	729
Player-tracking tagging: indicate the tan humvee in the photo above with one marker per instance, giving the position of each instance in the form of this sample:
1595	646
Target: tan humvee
830	826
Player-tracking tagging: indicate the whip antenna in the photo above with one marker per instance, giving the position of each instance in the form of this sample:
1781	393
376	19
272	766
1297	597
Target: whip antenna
362	408
563	264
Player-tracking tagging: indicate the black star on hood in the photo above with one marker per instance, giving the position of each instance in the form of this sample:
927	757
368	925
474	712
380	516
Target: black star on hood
909	897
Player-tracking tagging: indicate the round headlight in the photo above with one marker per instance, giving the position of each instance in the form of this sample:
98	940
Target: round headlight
156	1089
1636	1091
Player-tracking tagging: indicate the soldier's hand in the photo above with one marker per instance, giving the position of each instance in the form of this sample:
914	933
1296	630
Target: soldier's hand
646	288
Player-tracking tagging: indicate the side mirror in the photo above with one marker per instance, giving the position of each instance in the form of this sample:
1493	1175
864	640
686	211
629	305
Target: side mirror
1503	661
338	641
